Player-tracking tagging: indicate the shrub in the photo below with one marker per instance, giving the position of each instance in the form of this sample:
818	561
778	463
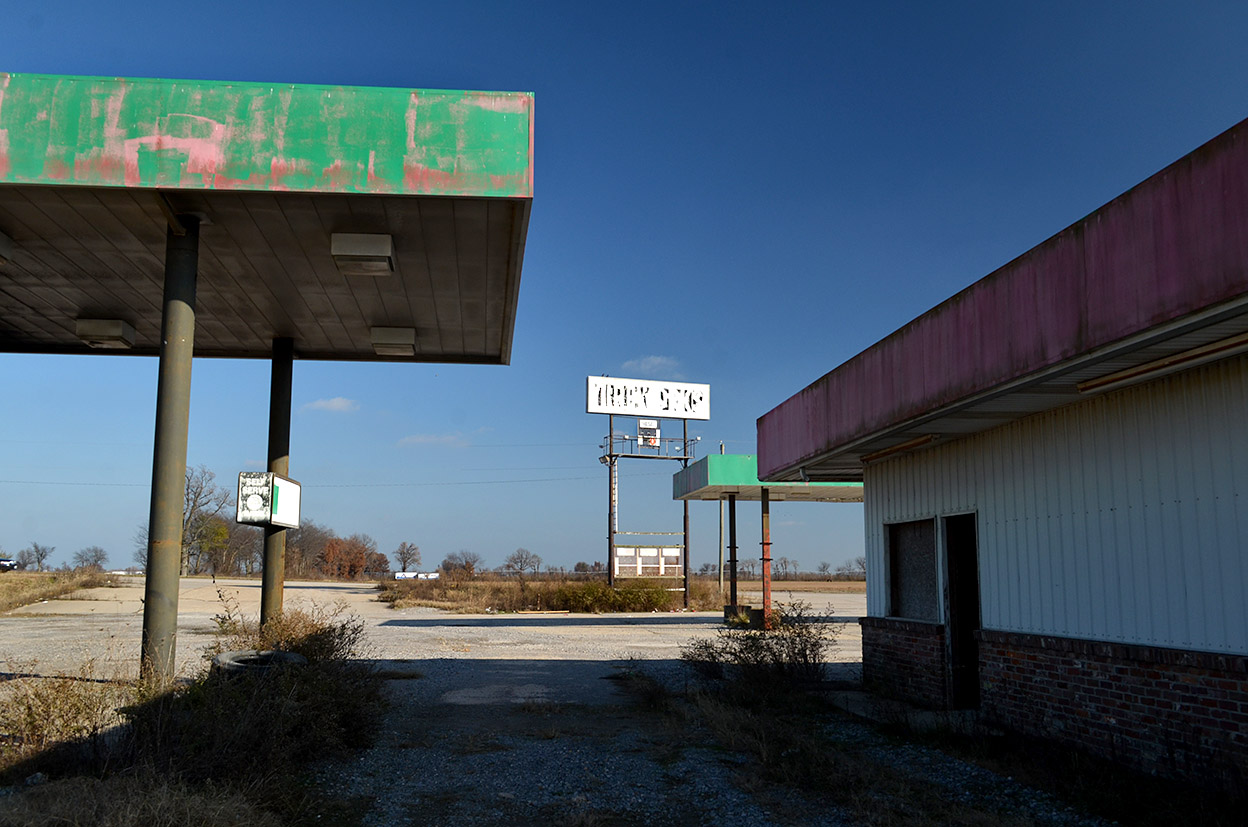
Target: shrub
591	595
764	660
249	727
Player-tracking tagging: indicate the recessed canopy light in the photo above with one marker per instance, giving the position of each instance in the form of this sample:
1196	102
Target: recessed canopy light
393	341
362	254
106	334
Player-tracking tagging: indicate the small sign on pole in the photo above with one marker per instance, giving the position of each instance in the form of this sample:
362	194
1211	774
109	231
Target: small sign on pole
267	499
648	433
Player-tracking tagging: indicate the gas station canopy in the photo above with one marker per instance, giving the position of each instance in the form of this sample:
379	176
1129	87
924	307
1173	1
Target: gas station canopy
716	476
363	223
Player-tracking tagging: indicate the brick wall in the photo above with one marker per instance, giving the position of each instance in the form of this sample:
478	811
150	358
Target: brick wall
1166	711
905	659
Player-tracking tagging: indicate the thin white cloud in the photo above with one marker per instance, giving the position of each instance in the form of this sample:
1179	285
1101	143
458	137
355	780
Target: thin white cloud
255	463
654	367
434	439
338	404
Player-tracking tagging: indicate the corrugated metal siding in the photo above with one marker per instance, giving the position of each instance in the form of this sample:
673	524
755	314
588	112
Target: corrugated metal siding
1121	518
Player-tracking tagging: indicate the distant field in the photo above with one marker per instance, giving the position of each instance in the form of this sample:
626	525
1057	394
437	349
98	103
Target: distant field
21	588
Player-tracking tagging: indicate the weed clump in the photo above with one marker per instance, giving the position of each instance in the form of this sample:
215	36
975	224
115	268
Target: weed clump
790	654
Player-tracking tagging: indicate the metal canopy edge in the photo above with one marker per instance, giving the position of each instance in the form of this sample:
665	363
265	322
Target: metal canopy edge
716	476
195	134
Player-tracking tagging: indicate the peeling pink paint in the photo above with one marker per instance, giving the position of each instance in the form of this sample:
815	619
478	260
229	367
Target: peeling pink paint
424	179
57	170
280	168
339	177
504	104
203	155
98	165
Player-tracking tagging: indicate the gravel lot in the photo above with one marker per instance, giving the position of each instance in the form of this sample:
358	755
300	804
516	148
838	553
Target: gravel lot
510	719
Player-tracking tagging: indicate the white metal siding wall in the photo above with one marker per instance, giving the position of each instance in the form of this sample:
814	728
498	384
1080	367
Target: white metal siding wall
1120	518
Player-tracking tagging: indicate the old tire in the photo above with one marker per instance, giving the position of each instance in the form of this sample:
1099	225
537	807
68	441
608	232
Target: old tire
255	663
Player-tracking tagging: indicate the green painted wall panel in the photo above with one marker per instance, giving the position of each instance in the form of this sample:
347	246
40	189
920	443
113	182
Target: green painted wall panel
191	134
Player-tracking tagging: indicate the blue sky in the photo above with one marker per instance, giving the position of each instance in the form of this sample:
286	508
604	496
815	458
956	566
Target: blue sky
744	195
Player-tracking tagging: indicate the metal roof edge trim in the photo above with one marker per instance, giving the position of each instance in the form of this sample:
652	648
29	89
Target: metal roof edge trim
275	137
1209	316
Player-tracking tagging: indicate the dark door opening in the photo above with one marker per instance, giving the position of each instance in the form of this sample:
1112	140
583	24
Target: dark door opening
961	554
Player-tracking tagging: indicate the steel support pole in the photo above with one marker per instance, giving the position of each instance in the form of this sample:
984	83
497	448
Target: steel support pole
279	463
732	549
173	409
610	499
766	558
721	538
684	463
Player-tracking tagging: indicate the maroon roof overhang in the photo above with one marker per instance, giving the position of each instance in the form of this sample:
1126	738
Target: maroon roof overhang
1158	271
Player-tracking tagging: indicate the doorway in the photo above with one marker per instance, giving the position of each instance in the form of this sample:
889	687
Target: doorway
962	560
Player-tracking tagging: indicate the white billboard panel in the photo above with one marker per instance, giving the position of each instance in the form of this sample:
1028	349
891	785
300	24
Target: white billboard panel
642	397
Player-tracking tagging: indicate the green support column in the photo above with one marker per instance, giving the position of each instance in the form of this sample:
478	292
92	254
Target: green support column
173	408
279	463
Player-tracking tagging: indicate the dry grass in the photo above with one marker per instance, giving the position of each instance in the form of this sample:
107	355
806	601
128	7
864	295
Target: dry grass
483	595
21	588
123	801
218	750
41	716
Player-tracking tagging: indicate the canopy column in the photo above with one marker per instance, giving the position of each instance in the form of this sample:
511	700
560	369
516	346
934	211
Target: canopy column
766	502
732	550
271	593
173	408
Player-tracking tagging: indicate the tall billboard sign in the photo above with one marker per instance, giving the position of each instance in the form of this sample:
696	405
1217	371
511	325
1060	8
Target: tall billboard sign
642	397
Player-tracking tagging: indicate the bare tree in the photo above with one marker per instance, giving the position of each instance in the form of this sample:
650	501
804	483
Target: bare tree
202	532
140	546
34	555
305	546
855	569
824	568
407	554
244	552
522	560
462	563
91	557
203	535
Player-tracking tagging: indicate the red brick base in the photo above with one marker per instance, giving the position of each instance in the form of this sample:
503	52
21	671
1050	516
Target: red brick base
1166	711
1169	712
905	659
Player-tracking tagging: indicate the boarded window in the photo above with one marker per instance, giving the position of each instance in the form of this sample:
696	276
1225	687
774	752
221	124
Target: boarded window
912	570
